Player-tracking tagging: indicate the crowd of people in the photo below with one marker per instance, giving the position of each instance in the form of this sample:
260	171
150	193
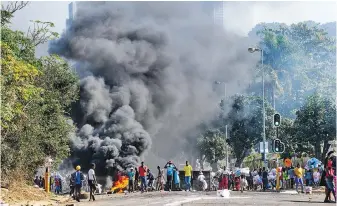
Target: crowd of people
143	179
167	178
264	179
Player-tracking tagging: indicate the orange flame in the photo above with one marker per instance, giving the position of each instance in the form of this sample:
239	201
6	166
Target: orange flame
121	184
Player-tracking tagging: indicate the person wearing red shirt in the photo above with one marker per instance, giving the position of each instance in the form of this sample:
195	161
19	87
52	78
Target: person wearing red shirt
142	175
329	181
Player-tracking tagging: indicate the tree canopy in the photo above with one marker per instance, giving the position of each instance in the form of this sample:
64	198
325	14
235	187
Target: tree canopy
300	81
36	94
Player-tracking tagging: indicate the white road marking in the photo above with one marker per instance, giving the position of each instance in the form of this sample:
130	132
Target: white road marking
186	200
289	192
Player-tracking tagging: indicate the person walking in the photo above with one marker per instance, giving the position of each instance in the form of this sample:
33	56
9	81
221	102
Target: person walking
131	176
142	175
188	175
79	177
92	182
169	174
298	171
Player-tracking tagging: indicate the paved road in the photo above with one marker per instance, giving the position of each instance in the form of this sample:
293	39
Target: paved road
207	199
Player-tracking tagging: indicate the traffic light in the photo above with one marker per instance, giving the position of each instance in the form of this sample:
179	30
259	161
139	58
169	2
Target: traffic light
277	145
277	120
282	148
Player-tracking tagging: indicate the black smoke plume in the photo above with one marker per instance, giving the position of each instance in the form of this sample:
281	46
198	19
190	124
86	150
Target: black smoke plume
147	71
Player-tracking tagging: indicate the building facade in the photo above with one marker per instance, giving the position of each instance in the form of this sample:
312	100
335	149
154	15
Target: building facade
71	14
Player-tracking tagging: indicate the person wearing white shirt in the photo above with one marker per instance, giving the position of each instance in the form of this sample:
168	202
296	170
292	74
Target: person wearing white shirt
92	181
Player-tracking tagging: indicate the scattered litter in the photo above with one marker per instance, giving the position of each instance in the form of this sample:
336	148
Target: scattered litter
223	193
292	192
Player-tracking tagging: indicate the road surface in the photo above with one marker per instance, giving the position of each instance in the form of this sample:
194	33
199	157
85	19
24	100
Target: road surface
205	199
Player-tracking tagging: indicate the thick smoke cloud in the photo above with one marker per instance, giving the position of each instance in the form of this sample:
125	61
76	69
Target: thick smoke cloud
149	72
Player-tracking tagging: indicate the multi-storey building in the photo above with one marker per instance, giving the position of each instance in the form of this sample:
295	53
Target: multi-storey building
72	11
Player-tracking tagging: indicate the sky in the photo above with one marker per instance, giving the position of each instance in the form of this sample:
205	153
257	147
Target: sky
239	17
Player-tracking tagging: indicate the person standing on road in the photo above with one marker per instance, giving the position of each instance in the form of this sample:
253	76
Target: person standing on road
169	174
298	171
327	179
72	185
292	176
160	179
264	178
136	183
176	180
142	175
92	182
150	178
188	175
131	175
79	177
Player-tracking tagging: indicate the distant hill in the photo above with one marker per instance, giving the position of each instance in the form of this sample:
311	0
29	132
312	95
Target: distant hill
329	27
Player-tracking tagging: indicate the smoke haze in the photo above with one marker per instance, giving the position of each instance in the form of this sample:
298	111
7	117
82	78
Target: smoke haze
148	70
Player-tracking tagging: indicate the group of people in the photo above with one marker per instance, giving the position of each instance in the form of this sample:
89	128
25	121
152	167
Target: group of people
39	181
143	179
263	179
288	177
168	178
76	183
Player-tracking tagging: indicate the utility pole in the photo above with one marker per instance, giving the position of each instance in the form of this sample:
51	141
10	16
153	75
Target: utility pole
226	131
226	148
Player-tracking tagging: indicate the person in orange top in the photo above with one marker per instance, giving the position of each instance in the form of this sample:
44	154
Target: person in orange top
142	175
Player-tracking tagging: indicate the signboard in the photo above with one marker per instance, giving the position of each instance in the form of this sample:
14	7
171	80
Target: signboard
261	147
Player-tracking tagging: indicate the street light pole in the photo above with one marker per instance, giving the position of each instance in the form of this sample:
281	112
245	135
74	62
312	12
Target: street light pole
263	112
252	50
226	130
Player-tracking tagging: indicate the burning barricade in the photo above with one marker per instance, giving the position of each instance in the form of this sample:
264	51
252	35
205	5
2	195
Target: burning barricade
120	185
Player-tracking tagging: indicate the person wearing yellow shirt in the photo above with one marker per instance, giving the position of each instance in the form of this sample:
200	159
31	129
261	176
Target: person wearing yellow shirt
188	174
299	176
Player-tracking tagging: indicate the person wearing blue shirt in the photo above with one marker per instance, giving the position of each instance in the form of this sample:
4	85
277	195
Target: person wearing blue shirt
78	178
176	179
169	174
292	177
308	177
131	175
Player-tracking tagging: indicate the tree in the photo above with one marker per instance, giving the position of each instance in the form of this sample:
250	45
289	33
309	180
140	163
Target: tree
212	144
245	123
35	98
299	59
8	10
316	123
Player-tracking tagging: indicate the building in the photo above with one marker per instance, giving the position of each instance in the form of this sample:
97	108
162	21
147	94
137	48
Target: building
216	10
71	14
